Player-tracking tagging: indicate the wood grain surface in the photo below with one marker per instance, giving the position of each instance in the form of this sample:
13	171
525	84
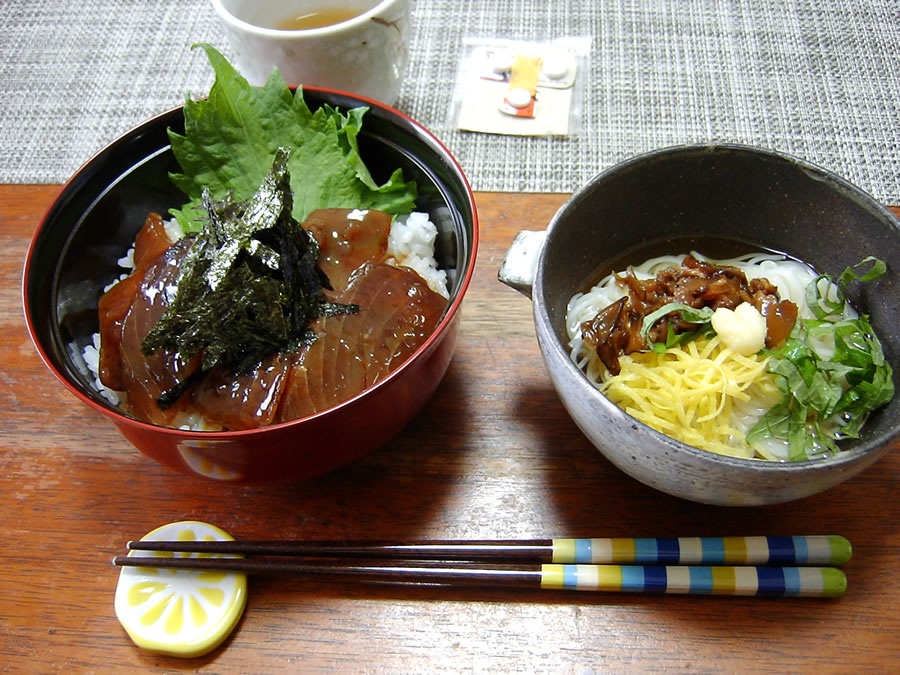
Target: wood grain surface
493	455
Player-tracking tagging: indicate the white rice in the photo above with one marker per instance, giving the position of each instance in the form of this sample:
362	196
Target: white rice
411	244
91	356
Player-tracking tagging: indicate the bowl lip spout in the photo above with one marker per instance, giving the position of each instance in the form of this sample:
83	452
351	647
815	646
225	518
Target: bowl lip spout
469	241
567	375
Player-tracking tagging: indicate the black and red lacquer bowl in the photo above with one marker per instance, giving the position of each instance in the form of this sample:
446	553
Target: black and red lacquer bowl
74	254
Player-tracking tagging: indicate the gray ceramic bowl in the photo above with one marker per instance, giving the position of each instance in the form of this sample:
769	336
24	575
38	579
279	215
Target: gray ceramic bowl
759	199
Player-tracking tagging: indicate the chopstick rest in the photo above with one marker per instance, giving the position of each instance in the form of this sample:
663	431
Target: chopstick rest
180	613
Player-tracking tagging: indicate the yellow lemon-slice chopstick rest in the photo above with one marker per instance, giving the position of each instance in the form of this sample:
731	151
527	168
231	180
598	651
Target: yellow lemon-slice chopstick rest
184	613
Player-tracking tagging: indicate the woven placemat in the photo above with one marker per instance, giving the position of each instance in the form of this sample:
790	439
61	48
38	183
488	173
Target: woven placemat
819	79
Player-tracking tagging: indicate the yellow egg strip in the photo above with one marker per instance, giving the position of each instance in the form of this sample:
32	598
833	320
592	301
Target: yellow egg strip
690	392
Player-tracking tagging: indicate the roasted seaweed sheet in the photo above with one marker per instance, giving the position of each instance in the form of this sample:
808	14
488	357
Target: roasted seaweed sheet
248	287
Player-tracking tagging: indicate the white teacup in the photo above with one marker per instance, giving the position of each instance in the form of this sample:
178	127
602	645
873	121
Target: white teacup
365	55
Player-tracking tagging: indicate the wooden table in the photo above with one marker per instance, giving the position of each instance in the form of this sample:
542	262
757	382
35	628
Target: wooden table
493	455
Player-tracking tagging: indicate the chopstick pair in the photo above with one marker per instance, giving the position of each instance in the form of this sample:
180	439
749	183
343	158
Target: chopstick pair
801	566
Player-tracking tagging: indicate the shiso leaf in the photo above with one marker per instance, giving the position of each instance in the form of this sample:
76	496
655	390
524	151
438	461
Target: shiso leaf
248	286
231	137
698	315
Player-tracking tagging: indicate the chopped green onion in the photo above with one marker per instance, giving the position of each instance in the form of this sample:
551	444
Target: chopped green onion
824	400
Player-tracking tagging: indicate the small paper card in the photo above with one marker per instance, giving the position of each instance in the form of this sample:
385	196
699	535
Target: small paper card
519	88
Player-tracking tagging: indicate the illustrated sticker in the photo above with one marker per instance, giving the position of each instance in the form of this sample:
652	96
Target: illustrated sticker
529	82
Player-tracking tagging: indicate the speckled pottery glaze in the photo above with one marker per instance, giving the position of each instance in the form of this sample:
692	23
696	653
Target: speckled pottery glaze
763	199
366	55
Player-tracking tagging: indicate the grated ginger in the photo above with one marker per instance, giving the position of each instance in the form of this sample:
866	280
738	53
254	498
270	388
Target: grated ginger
697	393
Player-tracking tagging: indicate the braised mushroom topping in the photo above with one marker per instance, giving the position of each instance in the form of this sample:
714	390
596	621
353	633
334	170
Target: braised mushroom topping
619	328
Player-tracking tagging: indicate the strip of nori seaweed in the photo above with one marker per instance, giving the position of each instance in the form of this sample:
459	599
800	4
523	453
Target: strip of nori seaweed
248	287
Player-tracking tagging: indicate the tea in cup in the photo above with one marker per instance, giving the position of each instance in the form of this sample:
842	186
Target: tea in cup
358	46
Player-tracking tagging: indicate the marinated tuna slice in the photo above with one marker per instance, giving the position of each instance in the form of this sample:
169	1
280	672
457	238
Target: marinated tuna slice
295	402
244	401
400	313
312	359
361	291
150	243
348	238
112	309
409	318
397	314
147	377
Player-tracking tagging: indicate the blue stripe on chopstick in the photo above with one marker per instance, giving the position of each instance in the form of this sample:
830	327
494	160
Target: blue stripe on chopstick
791	581
801	550
771	581
669	550
570	576
646	551
583	551
781	549
701	580
655	579
713	550
632	578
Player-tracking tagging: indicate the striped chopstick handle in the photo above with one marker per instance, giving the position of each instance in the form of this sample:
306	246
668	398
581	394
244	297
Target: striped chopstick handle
697	580
805	550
